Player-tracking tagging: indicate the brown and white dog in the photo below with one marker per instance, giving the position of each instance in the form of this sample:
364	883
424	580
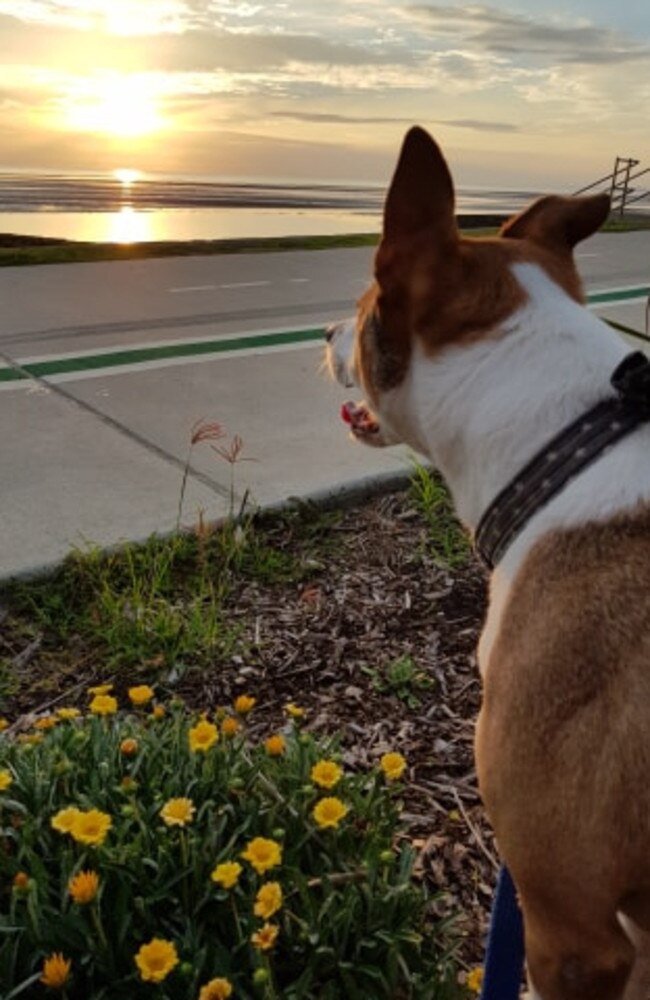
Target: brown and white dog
476	352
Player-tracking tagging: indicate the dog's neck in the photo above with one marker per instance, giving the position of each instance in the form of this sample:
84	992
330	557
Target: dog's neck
485	409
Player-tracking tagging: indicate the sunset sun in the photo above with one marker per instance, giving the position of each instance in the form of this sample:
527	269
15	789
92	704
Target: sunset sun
124	106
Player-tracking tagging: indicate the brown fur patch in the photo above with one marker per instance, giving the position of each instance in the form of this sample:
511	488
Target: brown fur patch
558	222
563	750
383	346
458	296
433	285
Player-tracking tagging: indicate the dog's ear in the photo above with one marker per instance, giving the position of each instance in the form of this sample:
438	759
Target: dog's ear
558	223
421	193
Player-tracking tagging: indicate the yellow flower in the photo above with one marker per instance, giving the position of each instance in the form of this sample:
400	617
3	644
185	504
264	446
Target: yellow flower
129	746
475	979
4	724
68	713
230	726
64	819
244	704
275	745
156	960
6	779
56	971
30	739
329	812
158	712
178	812
202	736
47	722
90	827
295	711
21	880
84	886
141	695
268	900
100	689
393	765
103	704
326	773
263	854
227	874
216	989
266	937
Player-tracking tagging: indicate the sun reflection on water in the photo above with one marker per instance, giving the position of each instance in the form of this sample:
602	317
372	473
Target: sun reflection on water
128	226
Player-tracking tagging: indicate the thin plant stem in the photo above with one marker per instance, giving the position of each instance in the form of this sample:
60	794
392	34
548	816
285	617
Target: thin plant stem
97	924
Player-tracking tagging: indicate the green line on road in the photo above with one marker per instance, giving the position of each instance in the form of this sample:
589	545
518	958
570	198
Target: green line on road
140	355
194	349
618	295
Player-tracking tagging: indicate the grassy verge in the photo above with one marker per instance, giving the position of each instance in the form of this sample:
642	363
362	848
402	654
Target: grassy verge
163	611
68	252
157	610
16	251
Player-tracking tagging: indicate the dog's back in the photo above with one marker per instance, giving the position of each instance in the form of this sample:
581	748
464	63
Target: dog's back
563	745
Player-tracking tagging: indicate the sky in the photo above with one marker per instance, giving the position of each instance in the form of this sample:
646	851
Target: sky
523	93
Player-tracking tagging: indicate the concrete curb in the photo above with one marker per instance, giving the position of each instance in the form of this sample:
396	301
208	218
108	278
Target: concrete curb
345	494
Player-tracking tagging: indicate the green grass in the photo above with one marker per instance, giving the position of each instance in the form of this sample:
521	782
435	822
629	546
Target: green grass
447	541
164	608
72	253
160	607
626	225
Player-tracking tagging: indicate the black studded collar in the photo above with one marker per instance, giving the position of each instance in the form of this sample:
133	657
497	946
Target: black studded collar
564	456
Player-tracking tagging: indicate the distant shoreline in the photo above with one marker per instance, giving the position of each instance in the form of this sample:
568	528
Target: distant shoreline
465	221
19	250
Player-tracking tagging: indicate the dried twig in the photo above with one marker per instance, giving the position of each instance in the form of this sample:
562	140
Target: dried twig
475	833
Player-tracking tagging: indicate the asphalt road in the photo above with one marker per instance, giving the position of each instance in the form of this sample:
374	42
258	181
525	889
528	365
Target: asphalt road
84	306
104	369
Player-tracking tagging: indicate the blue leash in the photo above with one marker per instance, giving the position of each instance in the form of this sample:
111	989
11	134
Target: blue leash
504	961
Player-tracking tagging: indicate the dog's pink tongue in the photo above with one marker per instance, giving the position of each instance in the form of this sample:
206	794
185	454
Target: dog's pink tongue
347	409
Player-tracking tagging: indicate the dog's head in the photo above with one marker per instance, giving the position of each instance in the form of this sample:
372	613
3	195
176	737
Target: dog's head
434	290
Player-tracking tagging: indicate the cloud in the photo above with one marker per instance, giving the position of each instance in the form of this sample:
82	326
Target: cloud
480	125
256	51
505	33
193	50
327	118
353	71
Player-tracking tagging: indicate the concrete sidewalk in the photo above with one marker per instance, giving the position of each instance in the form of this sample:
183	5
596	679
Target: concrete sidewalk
96	456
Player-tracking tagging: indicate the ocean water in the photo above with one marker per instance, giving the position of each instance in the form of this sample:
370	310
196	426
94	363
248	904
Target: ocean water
107	209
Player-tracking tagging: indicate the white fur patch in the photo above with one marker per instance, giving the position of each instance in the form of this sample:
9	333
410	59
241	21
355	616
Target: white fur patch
481	410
